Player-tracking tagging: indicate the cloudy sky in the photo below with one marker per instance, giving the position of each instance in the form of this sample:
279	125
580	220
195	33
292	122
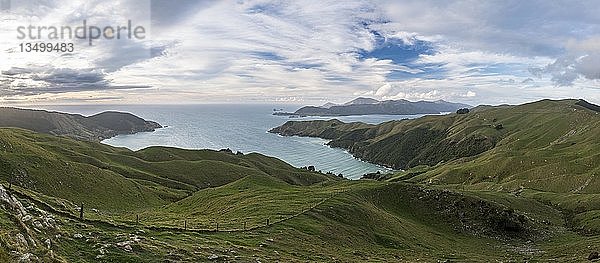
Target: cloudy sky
304	51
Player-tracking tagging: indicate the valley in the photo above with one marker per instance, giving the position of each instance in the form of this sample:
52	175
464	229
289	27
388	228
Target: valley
526	192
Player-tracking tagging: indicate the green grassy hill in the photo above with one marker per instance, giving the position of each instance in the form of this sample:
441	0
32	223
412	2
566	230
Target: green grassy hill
505	143
93	128
341	221
105	177
531	196
545	150
549	146
549	152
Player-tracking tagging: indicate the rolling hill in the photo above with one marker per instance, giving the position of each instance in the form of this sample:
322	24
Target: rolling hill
561	130
529	196
103	176
93	128
46	179
545	150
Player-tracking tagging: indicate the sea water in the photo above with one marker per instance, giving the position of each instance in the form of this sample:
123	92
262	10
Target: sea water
239	128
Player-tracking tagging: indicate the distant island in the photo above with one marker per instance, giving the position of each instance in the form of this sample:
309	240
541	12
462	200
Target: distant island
93	128
369	106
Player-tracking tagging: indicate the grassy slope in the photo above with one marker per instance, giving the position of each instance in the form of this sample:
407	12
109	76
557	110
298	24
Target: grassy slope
546	151
235	204
92	128
332	220
111	178
548	146
547	127
549	152
407	143
338	221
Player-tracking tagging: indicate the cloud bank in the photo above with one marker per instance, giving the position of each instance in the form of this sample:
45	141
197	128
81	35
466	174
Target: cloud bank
301	51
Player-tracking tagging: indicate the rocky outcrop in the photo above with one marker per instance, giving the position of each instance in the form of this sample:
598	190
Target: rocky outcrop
32	225
10	203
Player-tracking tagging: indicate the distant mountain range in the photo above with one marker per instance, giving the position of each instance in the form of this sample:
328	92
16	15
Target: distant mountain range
369	106
93	128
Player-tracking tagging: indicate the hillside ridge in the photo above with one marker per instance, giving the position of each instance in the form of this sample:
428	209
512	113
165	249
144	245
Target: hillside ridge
432	140
90	128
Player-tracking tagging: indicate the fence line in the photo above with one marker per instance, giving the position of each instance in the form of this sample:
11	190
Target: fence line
243	225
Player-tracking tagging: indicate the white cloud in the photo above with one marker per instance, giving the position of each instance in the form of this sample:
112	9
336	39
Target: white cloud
470	94
308	50
384	90
582	59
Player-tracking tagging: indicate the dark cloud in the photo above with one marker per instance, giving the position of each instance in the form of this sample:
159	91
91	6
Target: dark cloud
55	81
72	78
581	60
589	66
4	5
124	54
168	12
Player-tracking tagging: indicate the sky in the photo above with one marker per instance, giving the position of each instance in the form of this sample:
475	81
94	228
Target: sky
305	52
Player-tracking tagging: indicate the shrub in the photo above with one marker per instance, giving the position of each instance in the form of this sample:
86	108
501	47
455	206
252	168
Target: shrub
463	111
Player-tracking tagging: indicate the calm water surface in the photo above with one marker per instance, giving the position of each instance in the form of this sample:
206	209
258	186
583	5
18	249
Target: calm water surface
240	128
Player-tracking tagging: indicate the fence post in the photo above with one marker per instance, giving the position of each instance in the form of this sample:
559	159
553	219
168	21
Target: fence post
137	219
217	226
185	224
267	221
81	212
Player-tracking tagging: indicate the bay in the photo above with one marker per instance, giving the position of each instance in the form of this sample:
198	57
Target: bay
239	128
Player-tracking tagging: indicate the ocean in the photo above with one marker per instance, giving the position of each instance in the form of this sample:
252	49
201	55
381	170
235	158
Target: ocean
239	128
